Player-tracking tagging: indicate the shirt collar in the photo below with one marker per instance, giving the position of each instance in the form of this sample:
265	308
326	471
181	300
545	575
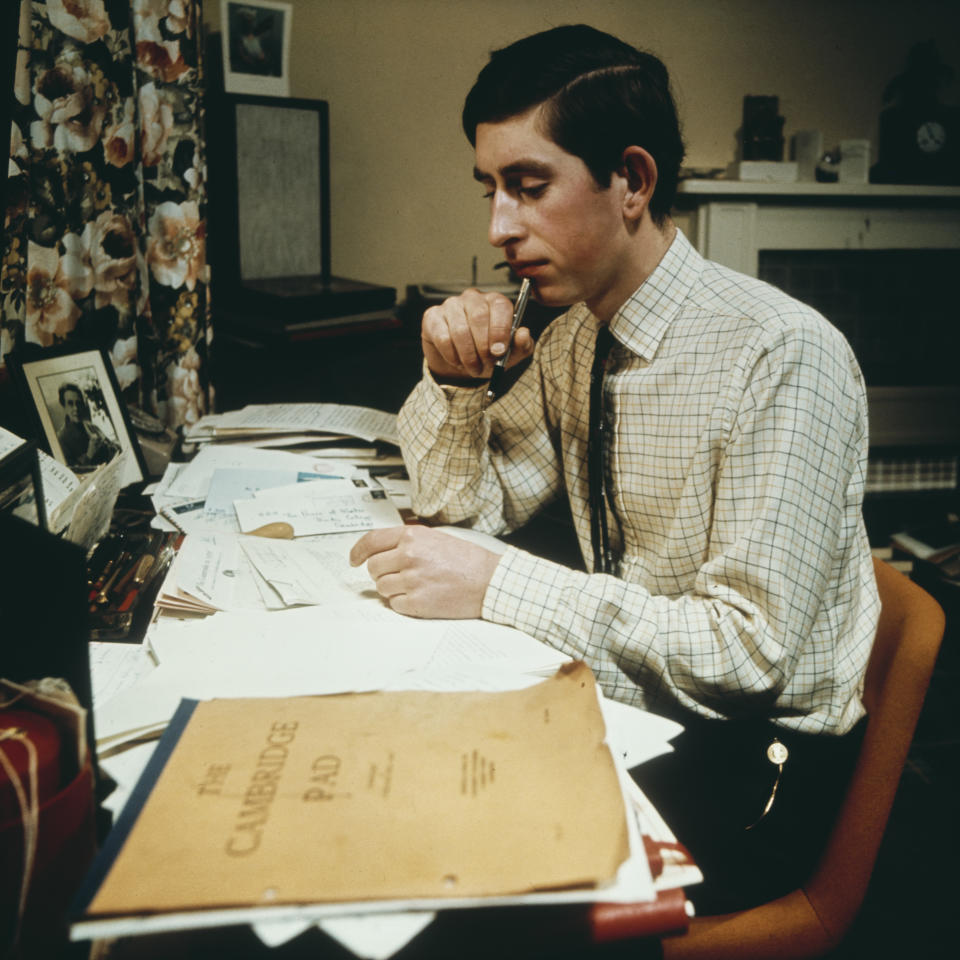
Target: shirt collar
642	321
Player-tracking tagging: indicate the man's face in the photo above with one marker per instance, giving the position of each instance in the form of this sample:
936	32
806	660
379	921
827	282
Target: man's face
72	405
554	224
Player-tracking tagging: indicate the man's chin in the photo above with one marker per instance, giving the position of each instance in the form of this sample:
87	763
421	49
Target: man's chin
554	295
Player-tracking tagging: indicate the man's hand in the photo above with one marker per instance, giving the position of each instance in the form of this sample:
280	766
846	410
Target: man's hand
95	440
425	573
464	336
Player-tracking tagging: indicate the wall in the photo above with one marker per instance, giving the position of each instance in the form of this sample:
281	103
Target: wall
395	72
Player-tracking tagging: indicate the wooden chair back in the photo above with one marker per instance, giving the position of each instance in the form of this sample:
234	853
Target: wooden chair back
810	921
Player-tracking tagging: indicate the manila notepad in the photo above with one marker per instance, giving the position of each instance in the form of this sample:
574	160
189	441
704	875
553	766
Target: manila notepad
374	796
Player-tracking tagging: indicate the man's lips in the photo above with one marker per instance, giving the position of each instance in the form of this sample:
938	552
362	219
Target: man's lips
527	268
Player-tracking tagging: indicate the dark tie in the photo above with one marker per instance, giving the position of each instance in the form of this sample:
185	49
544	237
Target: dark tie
603	560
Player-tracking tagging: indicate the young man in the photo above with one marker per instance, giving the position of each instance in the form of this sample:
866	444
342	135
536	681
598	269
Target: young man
84	445
719	513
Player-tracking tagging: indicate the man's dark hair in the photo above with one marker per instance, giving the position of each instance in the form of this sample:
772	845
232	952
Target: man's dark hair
599	94
65	388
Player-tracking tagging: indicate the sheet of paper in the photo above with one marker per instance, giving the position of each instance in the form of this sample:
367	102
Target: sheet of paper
193	481
471	642
357	645
462	794
320	507
298	652
219	571
214	569
637	735
189	516
9	441
115	667
229	484
377	936
474	536
124	765
90	505
363	422
59	482
309	571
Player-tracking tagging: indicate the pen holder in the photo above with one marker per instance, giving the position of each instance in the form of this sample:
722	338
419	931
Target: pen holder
123	577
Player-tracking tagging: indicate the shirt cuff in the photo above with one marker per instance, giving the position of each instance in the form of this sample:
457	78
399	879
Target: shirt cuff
525	591
462	402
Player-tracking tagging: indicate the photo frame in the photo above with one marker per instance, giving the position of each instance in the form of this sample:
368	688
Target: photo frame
21	485
73	397
256	46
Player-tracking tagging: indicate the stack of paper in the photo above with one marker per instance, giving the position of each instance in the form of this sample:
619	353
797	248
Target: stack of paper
244	489
232	572
303	425
266	529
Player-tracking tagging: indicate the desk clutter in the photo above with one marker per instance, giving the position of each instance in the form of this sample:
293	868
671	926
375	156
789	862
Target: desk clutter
269	703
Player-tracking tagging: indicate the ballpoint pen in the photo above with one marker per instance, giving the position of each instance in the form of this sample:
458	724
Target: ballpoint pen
498	368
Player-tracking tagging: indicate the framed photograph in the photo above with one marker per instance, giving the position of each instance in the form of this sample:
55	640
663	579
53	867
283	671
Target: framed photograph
74	397
256	46
21	487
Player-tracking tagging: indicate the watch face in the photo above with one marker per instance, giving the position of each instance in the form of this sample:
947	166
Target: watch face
931	136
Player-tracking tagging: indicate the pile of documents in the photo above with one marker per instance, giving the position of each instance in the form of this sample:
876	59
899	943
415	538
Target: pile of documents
261	520
303	425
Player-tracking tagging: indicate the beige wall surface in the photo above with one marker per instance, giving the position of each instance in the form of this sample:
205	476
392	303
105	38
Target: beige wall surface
405	208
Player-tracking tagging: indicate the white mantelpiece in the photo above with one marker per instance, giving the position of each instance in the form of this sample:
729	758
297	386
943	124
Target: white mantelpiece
731	221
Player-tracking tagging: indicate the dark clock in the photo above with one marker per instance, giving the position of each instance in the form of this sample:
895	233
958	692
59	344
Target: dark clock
919	137
931	137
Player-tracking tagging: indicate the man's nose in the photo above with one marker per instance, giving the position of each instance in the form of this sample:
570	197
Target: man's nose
505	221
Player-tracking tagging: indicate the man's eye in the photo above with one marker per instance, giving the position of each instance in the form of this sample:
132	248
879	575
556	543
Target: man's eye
532	192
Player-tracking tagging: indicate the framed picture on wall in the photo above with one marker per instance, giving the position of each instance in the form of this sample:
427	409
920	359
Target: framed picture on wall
256	47
75	401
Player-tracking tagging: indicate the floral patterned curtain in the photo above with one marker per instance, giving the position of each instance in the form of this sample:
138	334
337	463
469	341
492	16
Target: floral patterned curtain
104	234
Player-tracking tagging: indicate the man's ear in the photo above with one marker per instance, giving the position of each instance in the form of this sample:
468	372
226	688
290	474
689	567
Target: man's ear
640	170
